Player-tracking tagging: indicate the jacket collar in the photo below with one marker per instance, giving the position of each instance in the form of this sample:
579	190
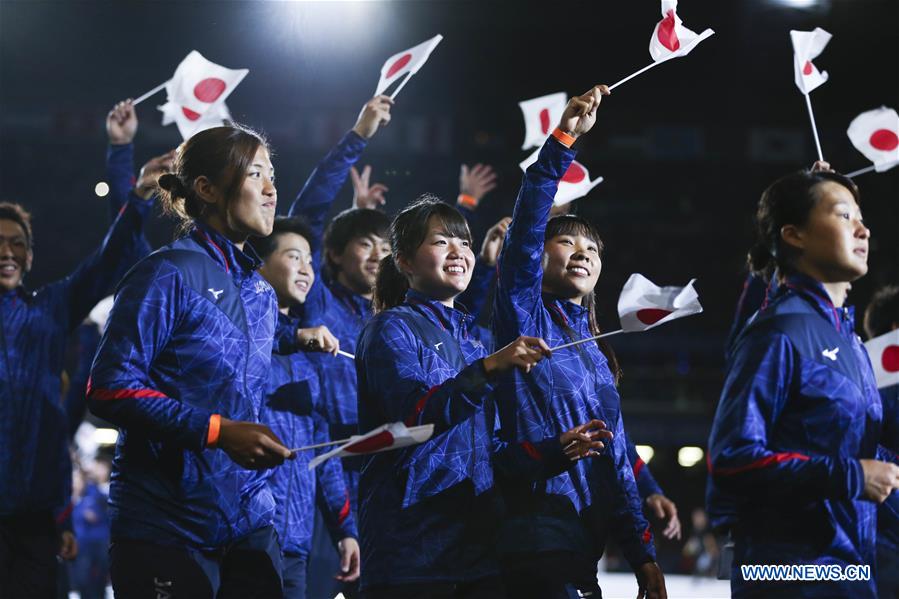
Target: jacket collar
358	304
813	292
453	320
222	250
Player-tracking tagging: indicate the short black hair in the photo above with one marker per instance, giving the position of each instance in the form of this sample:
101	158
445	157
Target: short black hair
17	214
882	312
350	224
265	246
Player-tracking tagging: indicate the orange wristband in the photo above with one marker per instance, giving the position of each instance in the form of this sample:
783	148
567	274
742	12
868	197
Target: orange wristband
466	200
564	139
215	425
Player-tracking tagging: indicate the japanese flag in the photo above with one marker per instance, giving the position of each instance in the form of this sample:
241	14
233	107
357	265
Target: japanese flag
190	123
407	61
642	305
384	438
670	39
198	84
884	353
876	135
807	45
540	114
574	184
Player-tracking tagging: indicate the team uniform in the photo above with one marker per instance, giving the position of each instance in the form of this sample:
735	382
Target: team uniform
798	410
560	521
295	412
189	341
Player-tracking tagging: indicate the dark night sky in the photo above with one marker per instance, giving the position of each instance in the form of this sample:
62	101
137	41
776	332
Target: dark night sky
685	149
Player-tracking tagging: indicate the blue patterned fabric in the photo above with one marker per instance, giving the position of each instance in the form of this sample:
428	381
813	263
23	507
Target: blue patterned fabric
798	409
426	512
572	387
189	336
295	412
35	468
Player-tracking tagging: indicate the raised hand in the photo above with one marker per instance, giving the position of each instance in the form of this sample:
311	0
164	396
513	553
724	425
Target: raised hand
366	195
477	181
121	123
146	184
375	113
580	114
493	241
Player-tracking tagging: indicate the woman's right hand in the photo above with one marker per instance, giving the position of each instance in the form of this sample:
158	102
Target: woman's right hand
252	446
121	123
523	353
880	479
585	440
318	339
580	114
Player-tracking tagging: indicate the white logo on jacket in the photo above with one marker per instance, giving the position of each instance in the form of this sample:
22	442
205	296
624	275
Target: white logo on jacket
830	353
261	287
215	292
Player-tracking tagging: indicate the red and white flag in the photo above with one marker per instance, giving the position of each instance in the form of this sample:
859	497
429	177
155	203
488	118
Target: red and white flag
574	184
384	438
190	123
876	135
198	84
670	39
643	305
540	114
807	45
407	61
884	353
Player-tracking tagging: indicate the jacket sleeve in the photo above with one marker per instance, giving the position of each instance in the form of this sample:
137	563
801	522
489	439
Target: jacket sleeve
622	502
475	295
332	496
760	375
646	482
120	175
518	290
96	276
147	308
314	201
393	375
76	402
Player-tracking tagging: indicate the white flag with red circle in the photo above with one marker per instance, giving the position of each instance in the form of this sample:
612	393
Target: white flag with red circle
189	123
807	45
394	435
574	184
408	61
875	134
884	353
540	115
199	84
643	305
670	39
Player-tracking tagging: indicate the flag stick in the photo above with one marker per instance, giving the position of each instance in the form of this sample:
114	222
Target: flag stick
632	75
861	171
579	341
811	116
153	91
401	86
347	354
317	445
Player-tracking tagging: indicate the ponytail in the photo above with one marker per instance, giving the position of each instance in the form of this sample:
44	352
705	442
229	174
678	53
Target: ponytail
390	286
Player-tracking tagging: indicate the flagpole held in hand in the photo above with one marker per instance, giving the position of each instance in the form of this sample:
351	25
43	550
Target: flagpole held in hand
152	92
401	85
318	445
811	116
632	75
861	171
347	354
579	341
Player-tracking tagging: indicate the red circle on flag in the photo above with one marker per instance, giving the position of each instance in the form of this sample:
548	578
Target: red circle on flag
544	120
807	69
574	174
190	114
667	34
398	65
208	90
379	441
890	358
651	315
884	139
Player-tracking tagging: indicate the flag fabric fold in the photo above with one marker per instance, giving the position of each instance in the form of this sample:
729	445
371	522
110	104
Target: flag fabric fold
643	305
198	84
540	115
670	39
875	134
808	45
408	61
190	123
884	353
393	435
573	185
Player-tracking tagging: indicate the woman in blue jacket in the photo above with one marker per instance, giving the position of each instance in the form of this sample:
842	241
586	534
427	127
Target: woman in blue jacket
182	371
555	532
792	447
427	515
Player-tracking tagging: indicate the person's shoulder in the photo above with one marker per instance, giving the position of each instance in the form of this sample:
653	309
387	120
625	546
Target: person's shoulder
387	326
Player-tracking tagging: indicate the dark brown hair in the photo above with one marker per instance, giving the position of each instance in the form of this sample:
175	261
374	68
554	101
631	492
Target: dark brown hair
20	216
882	313
222	155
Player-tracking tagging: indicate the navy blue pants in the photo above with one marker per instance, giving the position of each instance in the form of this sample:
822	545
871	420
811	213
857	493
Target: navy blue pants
248	569
293	572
